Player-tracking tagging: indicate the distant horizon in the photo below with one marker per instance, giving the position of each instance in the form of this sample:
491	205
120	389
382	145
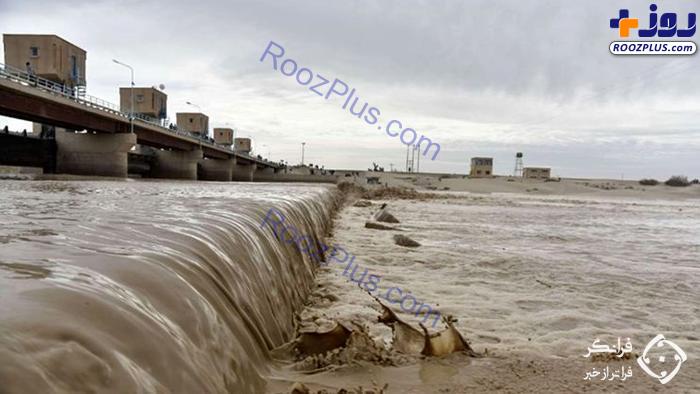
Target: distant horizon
497	175
470	76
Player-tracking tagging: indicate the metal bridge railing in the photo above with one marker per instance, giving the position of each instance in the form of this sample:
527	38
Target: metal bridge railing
24	78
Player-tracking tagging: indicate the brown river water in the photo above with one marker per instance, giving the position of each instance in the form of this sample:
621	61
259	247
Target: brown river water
533	281
147	286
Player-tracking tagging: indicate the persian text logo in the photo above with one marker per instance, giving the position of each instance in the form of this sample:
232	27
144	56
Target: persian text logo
644	361
666	26
605	352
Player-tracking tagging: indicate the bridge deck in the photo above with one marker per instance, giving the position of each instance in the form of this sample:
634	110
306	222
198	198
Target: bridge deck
37	100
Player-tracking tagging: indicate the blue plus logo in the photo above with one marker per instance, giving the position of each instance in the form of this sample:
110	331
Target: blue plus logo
665	26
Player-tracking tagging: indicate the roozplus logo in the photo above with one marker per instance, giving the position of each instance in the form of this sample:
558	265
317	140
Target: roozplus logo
665	26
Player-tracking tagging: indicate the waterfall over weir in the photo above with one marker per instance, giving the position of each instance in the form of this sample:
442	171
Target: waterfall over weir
149	286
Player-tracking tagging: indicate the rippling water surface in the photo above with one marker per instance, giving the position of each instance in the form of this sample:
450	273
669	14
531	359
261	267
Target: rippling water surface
543	274
148	286
531	278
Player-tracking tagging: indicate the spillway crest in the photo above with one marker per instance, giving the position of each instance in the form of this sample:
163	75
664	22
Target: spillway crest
149	286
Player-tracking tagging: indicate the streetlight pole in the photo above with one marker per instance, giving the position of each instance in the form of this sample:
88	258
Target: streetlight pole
131	114
233	138
303	144
194	105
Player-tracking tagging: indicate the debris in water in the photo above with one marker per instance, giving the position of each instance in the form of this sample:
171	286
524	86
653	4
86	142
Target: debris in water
358	347
321	342
445	342
403	240
378	226
383	215
299	388
543	283
407	339
362	204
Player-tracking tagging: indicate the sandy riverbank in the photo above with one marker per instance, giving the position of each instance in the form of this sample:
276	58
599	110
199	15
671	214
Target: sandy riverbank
565	186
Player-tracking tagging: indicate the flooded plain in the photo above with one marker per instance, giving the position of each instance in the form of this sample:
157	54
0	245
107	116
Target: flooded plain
533	281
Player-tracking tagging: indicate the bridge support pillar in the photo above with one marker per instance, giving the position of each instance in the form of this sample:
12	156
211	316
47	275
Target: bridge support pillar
215	170
243	172
173	164
93	154
265	174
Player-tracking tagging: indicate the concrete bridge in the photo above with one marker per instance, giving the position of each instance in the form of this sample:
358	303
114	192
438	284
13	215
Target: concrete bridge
105	147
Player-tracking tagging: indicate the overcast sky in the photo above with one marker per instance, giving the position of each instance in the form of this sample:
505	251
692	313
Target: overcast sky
482	78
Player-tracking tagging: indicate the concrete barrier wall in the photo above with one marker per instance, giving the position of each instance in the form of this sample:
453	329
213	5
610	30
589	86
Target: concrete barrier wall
171	164
282	177
93	154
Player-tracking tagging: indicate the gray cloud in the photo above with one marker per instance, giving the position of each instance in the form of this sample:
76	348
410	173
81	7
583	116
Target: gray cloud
480	77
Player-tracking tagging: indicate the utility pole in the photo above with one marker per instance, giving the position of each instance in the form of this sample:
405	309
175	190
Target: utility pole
303	145
418	159
233	138
408	168
131	114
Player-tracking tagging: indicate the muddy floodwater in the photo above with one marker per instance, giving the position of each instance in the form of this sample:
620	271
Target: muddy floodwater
533	281
140	286
148	286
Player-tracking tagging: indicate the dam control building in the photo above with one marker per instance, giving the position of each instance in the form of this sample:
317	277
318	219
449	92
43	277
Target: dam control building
148	101
223	136
193	122
49	56
242	145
